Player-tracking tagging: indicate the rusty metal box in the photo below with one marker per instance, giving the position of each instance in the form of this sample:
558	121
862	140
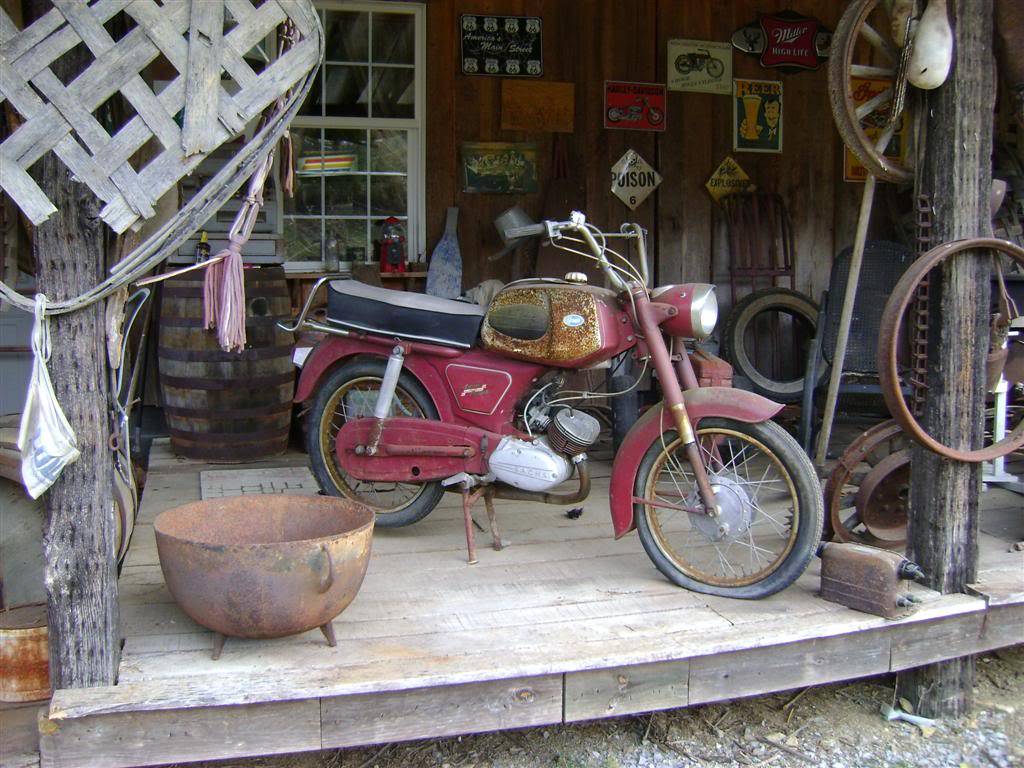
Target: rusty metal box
866	579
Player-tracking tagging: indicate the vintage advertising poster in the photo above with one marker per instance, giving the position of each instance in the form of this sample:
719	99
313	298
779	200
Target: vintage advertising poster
786	40
509	46
700	65
757	116
634	106
727	179
499	168
865	89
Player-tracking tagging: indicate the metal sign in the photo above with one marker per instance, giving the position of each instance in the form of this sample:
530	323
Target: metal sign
727	178
786	40
633	179
509	46
864	89
634	106
700	65
757	116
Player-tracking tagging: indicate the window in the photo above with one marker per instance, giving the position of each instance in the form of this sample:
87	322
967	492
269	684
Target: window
358	137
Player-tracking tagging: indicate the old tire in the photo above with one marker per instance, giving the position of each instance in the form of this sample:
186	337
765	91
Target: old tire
784	301
396	504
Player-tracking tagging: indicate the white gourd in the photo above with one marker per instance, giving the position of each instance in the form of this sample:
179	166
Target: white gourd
933	48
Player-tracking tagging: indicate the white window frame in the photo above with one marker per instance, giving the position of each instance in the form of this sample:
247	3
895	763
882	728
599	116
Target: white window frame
415	178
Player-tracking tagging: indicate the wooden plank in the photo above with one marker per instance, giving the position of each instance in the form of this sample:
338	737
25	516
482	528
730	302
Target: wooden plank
19	736
939	640
180	735
202	84
433	712
626	690
538	106
792	665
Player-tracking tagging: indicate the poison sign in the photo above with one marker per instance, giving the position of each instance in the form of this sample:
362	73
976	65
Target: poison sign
633	179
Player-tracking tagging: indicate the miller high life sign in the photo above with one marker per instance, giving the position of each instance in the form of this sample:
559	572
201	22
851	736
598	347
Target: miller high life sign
786	40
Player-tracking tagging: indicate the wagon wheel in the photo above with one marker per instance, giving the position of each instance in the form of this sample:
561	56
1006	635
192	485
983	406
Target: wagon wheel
862	47
866	494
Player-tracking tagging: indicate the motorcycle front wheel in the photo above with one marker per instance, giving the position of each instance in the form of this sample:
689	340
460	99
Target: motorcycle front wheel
770	502
351	392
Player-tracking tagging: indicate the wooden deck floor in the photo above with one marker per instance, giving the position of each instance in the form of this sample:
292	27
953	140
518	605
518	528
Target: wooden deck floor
565	624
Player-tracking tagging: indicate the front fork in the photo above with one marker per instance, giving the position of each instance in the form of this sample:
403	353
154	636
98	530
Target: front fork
672	390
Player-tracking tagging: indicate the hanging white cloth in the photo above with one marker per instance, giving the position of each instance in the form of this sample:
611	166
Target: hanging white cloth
45	438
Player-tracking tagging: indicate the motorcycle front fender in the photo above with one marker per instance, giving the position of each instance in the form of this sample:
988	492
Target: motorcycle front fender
706	402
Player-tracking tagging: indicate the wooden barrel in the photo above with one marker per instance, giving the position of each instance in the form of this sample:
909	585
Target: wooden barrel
24	654
227	406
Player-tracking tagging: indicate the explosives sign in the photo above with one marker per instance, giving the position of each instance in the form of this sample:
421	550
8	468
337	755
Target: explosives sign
633	179
757	116
727	178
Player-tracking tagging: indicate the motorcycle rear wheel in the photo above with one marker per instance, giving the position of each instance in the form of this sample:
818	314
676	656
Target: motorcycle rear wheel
351	392
771	510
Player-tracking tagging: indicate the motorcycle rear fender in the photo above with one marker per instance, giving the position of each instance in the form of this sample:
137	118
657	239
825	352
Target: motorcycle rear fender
334	350
706	402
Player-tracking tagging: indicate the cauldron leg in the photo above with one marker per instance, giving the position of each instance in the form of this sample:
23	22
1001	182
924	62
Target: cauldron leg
218	645
328	629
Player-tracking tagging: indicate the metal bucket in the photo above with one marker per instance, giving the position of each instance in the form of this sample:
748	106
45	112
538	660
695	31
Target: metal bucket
24	654
265	566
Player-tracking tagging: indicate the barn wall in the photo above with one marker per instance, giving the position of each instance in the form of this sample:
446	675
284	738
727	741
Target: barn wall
588	42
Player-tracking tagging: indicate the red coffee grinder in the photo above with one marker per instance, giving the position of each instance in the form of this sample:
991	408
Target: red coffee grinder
392	246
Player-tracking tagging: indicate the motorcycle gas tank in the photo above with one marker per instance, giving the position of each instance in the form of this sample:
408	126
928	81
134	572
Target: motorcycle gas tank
565	325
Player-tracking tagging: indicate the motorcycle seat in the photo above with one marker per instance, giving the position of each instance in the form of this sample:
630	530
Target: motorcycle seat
414	316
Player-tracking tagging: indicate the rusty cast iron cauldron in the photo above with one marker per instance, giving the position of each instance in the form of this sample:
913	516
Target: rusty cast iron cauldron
264	566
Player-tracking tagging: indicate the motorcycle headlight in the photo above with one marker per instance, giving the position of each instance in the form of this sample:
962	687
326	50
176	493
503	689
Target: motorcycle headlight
704	311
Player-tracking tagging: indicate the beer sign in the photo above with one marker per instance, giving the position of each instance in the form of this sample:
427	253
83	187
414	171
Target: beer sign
757	115
633	179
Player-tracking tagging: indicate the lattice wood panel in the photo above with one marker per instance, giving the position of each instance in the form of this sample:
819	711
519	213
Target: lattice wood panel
214	94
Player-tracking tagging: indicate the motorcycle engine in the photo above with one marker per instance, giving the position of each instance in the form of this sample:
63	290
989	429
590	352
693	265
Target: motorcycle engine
543	464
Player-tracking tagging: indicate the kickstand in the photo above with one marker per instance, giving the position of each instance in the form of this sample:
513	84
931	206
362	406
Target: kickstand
492	519
468	499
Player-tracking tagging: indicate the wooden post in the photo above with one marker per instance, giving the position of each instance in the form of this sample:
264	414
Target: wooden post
78	537
944	494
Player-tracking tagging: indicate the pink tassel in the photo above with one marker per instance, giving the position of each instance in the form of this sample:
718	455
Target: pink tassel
231	306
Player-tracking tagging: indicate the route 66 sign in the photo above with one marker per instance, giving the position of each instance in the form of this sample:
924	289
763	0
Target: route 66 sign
633	179
506	46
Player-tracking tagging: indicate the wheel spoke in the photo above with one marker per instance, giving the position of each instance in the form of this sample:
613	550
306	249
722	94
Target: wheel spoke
873	104
867	70
878	42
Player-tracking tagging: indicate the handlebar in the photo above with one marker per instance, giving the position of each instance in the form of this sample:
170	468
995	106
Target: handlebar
578	225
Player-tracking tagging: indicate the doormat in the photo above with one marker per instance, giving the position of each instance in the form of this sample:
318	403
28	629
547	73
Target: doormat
221	483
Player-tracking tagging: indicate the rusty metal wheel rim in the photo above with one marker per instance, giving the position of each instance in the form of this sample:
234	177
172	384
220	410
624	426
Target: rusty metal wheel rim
844	111
881	500
859	451
888	372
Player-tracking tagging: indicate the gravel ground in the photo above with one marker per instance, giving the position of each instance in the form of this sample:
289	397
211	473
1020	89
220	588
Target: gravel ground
838	726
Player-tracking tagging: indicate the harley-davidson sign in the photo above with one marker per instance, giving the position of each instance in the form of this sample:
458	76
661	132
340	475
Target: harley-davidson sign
785	40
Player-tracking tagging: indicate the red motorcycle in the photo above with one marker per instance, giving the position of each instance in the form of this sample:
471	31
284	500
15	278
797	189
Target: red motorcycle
412	395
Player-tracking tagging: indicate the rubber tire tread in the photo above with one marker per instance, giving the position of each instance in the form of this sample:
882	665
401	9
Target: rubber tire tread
361	367
809	496
740	317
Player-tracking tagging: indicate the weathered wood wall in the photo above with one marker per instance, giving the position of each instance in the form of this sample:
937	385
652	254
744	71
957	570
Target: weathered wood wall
597	40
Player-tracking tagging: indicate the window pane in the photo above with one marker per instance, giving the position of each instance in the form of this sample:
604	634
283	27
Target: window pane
394	38
314	103
394	92
351	237
308	169
345	195
302	240
389	151
346	93
388	195
348	35
346	150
